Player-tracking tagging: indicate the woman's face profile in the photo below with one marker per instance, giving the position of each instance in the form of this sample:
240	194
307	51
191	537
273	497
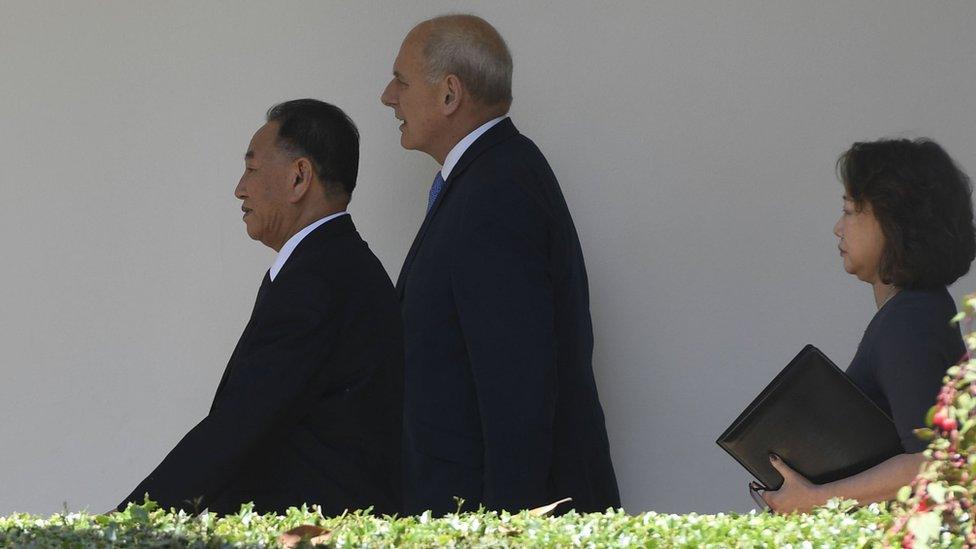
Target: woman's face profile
861	241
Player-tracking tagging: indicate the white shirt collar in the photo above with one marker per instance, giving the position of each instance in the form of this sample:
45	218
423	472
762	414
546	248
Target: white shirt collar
452	157
292	243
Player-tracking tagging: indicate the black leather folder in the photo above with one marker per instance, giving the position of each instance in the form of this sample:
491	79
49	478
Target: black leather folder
815	418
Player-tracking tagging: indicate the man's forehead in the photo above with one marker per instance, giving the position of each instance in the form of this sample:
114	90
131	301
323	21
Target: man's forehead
398	64
410	51
263	137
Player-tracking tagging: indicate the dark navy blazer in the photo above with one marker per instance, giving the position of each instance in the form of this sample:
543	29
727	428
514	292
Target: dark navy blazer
309	409
500	404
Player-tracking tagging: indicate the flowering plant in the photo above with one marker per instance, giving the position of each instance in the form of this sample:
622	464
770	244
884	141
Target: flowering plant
936	509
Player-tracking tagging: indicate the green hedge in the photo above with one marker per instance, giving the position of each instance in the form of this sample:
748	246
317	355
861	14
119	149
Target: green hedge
839	524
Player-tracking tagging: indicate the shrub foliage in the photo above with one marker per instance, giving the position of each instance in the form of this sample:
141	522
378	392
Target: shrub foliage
839	524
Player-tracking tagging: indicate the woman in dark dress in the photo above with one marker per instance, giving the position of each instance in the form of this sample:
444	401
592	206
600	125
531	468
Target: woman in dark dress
907	230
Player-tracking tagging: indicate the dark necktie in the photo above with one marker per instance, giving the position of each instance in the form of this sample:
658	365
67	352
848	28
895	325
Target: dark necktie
435	190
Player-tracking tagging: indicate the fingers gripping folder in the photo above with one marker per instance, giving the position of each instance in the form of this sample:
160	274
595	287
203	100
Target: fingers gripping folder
816	419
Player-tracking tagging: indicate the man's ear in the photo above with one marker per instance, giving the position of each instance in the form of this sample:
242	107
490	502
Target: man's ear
453	93
303	176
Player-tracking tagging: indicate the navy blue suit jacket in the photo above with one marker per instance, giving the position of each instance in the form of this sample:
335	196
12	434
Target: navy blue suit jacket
309	409
500	404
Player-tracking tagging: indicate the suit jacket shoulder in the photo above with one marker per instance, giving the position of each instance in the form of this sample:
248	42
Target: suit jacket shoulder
506	180
331	263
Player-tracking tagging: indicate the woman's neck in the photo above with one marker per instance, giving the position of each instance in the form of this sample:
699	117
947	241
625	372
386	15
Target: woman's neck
883	292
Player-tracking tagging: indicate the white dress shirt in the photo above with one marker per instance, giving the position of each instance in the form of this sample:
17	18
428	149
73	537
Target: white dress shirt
452	157
292	243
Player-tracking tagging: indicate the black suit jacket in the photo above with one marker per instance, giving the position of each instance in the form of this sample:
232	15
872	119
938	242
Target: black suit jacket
309	409
500	404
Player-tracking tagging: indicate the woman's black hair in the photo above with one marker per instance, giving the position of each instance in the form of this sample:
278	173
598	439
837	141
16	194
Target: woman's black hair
922	200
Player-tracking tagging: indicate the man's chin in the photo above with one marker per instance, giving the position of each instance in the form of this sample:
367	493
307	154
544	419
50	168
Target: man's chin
406	142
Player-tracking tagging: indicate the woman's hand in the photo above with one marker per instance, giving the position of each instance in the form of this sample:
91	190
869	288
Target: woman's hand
797	495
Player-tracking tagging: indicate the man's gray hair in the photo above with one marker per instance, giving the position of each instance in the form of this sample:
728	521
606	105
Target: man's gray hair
470	48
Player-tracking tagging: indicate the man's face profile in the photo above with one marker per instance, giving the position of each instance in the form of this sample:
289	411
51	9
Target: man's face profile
264	187
412	98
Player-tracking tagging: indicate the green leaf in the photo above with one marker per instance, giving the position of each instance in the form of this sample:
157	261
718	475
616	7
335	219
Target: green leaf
930	415
925	433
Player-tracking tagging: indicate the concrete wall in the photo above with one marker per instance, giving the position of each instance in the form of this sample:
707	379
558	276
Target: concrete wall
695	142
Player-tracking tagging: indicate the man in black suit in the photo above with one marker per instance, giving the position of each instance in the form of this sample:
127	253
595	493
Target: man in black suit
500	403
309	409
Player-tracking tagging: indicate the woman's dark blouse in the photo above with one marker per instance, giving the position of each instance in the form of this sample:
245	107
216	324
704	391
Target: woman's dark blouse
905	352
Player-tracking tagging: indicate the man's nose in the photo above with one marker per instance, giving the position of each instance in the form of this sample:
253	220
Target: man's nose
837	229
239	190
387	96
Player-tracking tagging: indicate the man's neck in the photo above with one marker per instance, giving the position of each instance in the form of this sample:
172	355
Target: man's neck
307	218
459	131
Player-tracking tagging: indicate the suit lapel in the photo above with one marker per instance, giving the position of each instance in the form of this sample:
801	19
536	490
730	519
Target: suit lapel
262	293
338	226
401	279
500	132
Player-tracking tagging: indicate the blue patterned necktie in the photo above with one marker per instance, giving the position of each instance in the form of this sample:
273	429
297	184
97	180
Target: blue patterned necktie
435	190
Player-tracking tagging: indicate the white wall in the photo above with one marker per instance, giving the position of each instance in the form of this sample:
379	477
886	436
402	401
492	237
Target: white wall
695	142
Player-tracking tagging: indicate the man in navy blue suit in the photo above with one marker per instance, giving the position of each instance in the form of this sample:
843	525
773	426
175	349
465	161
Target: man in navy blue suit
500	403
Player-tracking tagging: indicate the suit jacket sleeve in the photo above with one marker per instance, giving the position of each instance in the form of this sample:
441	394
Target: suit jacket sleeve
504	298
269	386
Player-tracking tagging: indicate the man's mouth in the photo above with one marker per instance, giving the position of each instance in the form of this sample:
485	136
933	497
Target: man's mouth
246	211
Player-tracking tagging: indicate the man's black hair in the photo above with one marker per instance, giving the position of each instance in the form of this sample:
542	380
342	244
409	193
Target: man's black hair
325	135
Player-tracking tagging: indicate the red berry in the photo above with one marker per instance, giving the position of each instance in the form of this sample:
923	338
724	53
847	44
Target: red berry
949	425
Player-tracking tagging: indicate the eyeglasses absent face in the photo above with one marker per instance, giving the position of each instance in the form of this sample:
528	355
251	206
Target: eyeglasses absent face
861	240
